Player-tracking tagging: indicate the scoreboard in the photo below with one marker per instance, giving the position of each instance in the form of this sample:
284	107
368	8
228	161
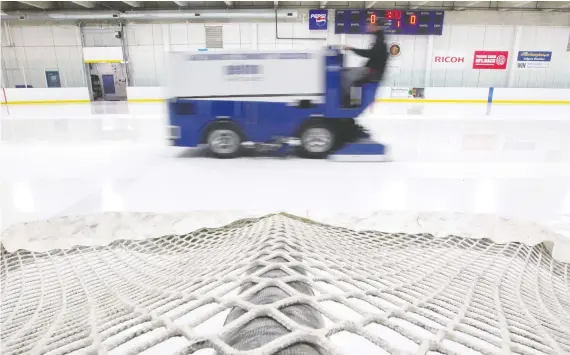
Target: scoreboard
397	22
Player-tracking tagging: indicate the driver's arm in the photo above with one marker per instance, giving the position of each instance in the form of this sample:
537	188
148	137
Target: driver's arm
366	53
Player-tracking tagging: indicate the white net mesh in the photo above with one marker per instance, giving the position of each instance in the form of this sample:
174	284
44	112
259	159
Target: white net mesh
282	285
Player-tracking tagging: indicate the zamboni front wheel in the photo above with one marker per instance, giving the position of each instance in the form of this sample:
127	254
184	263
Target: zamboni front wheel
317	141
224	141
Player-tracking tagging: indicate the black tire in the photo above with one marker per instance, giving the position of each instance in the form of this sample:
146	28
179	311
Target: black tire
224	140
327	143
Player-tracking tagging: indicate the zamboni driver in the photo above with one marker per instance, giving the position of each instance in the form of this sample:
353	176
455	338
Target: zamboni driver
377	57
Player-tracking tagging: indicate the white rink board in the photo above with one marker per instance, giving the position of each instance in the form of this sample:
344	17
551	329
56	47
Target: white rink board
245	73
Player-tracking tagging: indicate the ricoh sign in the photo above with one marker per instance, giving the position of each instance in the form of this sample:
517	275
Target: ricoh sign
449	59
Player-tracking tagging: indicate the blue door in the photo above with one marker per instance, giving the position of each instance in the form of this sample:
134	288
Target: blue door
108	84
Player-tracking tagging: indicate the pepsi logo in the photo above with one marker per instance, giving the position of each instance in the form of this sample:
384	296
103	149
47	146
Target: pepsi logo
320	19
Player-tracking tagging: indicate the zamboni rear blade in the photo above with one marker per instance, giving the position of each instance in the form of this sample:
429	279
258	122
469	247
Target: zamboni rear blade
361	150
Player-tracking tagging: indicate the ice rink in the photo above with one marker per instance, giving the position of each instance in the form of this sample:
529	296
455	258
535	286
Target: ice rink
454	169
509	160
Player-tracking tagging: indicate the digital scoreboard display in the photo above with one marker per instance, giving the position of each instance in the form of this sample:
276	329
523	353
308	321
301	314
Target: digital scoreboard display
399	22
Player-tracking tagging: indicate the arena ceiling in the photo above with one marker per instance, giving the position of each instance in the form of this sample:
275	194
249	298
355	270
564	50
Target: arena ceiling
546	6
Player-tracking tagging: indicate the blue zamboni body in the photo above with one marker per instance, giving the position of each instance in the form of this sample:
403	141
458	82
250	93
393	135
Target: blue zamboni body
261	120
364	149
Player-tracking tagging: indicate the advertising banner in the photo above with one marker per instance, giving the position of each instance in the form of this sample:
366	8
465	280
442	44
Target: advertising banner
318	19
395	49
533	59
532	65
394	60
449	60
490	60
409	93
534	56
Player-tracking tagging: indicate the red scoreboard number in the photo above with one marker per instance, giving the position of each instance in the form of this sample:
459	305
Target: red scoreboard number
394	15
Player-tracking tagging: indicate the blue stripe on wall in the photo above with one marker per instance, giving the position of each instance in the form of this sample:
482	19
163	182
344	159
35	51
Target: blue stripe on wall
490	97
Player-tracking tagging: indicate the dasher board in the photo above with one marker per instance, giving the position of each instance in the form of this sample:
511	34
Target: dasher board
246	73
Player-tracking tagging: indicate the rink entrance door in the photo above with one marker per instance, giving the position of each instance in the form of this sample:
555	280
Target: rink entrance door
108	81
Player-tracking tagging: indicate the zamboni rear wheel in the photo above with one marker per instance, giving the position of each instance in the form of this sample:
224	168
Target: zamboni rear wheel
224	141
317	141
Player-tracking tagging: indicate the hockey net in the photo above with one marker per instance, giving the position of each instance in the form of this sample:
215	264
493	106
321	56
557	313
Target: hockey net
284	285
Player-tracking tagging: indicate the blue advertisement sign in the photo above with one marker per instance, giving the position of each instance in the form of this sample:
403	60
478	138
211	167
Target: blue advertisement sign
318	19
534	56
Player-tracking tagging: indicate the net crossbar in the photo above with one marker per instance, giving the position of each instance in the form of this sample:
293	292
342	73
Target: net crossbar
288	286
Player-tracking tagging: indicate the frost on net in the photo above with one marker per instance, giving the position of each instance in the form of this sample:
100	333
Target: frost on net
283	285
